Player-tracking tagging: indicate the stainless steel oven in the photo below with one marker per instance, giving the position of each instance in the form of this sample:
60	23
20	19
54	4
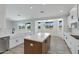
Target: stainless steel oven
4	44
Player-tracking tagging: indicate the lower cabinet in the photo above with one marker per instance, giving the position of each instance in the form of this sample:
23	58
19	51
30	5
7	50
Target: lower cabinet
77	46
46	45
34	47
71	43
15	41
12	43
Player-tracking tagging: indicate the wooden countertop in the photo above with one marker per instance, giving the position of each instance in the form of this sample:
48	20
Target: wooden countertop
39	37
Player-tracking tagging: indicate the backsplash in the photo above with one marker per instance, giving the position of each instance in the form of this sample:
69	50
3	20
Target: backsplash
4	31
75	31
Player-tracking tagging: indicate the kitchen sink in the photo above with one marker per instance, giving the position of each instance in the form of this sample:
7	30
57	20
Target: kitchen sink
75	36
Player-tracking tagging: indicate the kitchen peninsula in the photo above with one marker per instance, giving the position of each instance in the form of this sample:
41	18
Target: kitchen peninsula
37	43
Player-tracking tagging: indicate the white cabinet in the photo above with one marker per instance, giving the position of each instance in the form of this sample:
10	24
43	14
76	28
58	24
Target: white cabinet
72	18
12	43
71	42
16	40
77	46
2	16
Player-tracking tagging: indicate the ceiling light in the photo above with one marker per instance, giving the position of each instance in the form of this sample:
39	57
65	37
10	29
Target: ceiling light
41	11
18	15
31	7
61	10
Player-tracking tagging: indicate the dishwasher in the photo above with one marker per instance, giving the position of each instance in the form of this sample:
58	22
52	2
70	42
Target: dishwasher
4	44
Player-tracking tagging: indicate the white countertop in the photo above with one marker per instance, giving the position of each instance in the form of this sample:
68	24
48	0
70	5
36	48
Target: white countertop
4	35
9	34
39	37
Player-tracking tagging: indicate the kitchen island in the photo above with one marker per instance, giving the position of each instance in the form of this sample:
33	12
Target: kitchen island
37	43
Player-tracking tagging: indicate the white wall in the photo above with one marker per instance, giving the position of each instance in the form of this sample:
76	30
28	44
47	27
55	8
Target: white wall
3	29
9	25
17	23
2	16
12	24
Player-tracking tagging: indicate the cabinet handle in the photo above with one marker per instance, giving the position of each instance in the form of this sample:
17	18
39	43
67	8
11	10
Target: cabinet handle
31	44
16	40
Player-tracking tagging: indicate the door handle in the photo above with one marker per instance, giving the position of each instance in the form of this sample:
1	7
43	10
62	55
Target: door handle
31	44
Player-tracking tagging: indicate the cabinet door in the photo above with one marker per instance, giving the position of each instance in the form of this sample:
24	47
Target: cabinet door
77	46
32	47
20	40
72	44
16	40
12	43
67	40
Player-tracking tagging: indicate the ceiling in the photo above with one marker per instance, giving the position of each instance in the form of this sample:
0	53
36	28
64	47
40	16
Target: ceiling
28	11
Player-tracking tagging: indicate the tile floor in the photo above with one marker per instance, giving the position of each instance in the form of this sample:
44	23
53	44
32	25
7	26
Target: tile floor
58	46
17	50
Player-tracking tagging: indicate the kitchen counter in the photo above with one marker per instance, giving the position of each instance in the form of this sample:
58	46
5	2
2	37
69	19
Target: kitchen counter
75	36
11	35
72	41
37	43
4	35
39	37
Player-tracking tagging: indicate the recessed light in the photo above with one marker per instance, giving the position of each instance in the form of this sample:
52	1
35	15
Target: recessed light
31	7
61	10
18	15
41	11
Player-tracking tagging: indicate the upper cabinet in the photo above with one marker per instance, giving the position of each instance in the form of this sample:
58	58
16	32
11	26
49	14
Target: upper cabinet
72	18
2	16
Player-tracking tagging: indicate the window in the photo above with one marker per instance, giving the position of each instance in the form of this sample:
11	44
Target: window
60	24
28	25
21	26
48	24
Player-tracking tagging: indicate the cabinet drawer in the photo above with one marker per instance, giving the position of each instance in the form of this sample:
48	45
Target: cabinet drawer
32	47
